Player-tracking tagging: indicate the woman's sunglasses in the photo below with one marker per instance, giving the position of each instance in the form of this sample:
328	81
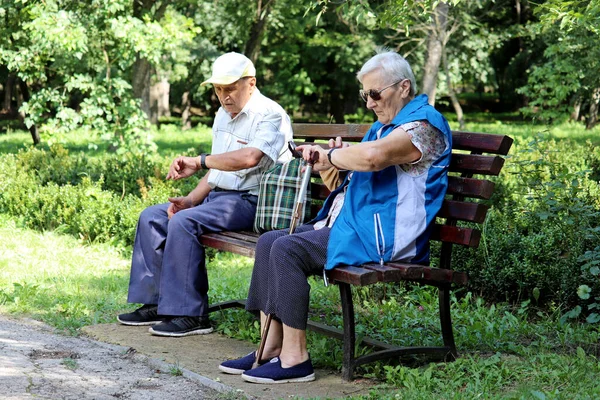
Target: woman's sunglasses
375	94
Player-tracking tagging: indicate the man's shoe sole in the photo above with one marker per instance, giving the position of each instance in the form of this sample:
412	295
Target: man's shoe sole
232	371
130	323
204	331
254	379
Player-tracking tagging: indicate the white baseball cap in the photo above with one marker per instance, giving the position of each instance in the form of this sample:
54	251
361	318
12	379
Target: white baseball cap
230	67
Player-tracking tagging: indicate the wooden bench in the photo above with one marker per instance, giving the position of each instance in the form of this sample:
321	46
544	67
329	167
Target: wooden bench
472	154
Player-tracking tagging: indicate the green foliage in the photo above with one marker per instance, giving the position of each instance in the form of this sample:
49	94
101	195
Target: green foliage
51	190
543	223
77	58
564	76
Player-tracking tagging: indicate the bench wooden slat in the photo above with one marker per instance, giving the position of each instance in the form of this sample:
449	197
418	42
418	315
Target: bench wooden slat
409	272
481	142
348	132
396	272
385	273
248	236
463	211
353	275
318	191
470	187
226	243
476	164
461	140
454	234
432	275
439	275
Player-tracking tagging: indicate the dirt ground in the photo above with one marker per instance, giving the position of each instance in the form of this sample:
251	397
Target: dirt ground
36	363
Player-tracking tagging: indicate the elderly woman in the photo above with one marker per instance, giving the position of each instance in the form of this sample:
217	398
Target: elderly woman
382	212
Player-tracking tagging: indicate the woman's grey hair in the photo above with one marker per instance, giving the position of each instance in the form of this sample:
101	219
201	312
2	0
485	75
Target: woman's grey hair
392	65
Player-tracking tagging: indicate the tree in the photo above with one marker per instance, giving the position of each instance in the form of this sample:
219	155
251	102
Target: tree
566	76
435	49
308	68
76	59
258	28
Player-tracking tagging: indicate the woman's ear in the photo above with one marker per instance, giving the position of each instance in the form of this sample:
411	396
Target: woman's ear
405	85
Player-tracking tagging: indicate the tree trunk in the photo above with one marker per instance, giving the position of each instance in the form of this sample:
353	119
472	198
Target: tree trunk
142	69
336	99
576	108
593	119
141	83
35	135
163	89
154	95
8	93
452	93
259	26
186	115
434	50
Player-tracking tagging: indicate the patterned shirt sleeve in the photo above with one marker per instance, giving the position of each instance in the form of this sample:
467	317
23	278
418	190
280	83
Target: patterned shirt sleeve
430	142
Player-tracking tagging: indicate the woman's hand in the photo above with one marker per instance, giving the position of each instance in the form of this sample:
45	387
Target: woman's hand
315	155
318	155
182	167
337	143
178	204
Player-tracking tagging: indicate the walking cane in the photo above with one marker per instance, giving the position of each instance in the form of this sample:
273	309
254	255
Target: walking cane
295	218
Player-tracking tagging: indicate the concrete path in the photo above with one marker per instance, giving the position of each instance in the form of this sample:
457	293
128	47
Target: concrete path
203	354
37	363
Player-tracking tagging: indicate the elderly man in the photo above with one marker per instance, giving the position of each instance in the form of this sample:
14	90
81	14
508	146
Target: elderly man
168	270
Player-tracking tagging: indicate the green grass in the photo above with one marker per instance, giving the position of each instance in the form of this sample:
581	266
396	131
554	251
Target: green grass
171	141
517	128
68	283
506	352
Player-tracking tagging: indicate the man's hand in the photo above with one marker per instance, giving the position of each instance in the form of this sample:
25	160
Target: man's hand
182	167
178	204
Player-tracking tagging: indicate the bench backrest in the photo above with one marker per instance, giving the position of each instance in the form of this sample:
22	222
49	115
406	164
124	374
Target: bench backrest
472	154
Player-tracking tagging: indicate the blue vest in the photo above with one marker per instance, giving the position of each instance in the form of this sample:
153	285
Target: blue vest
387	215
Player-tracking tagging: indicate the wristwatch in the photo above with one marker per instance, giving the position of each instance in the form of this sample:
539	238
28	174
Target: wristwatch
203	160
329	157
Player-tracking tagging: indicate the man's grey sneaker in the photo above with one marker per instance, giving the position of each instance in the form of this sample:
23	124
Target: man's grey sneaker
240	365
182	326
145	315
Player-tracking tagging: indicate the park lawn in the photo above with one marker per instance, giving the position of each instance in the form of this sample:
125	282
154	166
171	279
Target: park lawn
172	141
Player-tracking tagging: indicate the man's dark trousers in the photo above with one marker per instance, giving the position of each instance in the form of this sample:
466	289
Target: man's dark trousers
168	265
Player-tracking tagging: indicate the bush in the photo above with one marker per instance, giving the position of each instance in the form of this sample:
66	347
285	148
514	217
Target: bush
543	220
52	190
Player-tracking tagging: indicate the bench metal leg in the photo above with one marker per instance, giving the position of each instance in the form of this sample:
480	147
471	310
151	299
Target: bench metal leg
446	322
224	305
349	331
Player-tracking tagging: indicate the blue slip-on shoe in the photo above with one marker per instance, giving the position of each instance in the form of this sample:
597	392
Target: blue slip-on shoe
240	365
273	372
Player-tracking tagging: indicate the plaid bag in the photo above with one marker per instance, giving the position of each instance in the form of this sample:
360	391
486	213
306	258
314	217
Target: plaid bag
278	195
